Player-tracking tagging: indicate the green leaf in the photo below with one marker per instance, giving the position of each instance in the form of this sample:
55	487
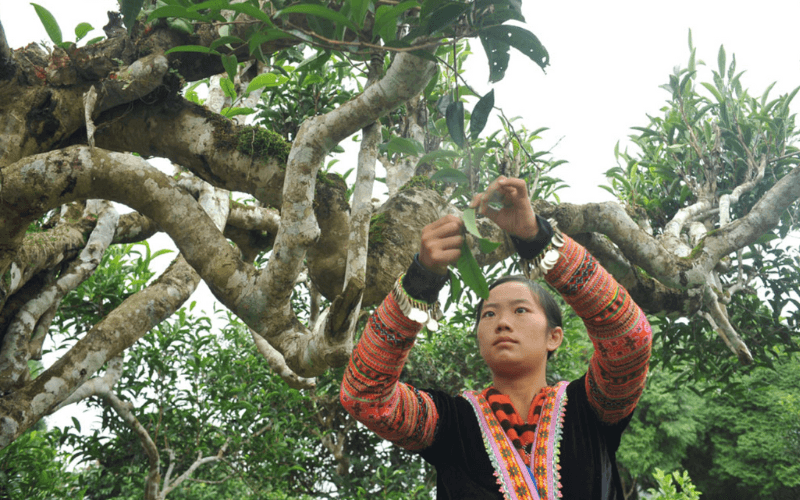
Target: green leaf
521	39
488	246
129	10
231	112
428	7
265	80
685	193
311	79
252	11
358	11
445	16
714	92
455	289
182	25
225	40
497	55
210	4
685	81
480	114
81	30
49	23
94	40
424	54
455	122
386	17
765	238
175	11
231	65
192	48
319	11
316	62
469	222
227	87
450	175
260	38
404	146
471	273
721	60
76	423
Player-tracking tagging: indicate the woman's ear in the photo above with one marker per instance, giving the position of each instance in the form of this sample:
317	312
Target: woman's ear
554	338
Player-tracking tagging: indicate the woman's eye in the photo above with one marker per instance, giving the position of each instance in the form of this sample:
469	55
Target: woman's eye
487	314
521	310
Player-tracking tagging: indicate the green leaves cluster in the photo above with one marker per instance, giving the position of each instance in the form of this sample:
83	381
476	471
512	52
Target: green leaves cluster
673	486
702	143
467	266
54	30
30	470
345	27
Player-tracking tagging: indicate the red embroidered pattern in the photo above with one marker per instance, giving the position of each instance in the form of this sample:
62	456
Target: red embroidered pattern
370	388
617	327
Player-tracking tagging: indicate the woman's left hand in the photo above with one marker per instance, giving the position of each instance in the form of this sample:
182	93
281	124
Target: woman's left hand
516	217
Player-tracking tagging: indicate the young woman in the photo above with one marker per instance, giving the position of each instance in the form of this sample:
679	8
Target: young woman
519	438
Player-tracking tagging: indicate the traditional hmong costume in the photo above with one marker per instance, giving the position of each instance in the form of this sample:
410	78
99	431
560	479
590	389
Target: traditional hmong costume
481	449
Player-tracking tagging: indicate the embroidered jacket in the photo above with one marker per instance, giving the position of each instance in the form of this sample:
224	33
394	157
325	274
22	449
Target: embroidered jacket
448	430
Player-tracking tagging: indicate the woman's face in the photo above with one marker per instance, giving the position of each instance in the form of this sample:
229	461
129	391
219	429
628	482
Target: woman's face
512	331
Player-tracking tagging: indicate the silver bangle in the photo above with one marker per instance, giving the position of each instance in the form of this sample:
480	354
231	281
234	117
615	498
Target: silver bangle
538	266
416	310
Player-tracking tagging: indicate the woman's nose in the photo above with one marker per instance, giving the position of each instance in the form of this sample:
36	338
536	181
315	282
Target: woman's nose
502	323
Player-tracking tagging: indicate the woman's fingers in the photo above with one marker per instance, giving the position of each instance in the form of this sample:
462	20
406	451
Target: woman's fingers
441	243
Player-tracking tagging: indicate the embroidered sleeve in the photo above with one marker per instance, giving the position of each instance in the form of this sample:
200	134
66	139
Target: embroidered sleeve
371	391
617	327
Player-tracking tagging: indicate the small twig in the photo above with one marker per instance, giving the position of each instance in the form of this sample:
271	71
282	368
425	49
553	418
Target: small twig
355	43
783	157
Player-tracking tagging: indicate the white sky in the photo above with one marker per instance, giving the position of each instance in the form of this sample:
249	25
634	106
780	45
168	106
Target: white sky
607	59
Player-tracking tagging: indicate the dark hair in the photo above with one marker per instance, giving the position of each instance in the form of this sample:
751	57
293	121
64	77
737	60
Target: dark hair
545	300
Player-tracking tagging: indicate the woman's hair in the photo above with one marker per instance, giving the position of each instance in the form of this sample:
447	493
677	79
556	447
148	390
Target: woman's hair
545	300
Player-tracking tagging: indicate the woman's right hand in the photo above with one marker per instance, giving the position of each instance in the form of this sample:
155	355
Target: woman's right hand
441	243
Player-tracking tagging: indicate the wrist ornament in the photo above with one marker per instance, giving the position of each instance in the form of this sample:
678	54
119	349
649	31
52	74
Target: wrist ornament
541	254
417	310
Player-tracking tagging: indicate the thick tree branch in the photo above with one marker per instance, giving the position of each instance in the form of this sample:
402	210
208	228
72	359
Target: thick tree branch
717	316
34	252
134	227
115	333
47	115
96	386
252	218
199	140
278	364
648	293
763	217
671	238
406	78
107	339
641	249
15	351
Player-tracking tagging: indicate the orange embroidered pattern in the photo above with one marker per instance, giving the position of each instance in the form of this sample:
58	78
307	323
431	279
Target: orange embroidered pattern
545	454
512	474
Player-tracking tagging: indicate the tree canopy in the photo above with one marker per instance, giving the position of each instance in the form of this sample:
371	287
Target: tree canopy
700	236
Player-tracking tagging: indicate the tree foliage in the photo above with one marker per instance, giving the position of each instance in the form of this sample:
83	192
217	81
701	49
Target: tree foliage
244	403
